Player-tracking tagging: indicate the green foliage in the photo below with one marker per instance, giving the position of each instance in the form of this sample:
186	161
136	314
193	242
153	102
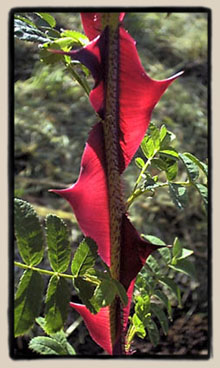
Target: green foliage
58	243
156	290
29	234
57	299
27	301
95	287
55	344
158	148
164	159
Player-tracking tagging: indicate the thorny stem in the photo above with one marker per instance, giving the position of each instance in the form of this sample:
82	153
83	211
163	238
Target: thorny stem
111	140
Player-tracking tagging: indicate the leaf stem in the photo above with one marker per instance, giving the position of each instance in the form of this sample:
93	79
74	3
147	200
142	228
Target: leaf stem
136	193
46	272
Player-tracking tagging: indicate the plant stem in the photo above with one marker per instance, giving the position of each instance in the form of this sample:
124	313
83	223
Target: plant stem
136	193
46	272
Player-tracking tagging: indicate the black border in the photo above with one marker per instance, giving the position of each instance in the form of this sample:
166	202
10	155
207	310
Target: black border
176	9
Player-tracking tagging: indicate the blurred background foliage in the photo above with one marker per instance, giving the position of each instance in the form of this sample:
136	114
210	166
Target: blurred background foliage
52	119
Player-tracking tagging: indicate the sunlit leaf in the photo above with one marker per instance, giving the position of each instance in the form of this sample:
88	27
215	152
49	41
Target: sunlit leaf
28	232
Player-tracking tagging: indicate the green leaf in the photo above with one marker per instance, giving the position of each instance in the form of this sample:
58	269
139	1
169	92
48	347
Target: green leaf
203	191
28	232
142	307
163	133
177	248
161	316
25	20
47	346
185	266
163	298
153	332
159	164
185	253
153	264
153	239
154	133
165	142
76	36
139	327
147	146
178	194
85	291
199	163
149	183
121	292
49	57
57	300
173	287
171	169
58	243
104	294
139	162
48	18
84	257
27	32
191	167
59	336
28	301
166	254
169	152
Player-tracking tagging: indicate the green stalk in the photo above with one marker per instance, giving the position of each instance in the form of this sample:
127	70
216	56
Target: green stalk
45	272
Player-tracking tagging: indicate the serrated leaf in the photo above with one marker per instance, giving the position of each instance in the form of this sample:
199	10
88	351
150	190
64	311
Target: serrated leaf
199	163
161	316
58	243
203	191
84	257
57	301
28	301
28	232
27	32
153	332
104	294
154	133
191	167
60	337
46	346
173	287
163	298
185	266
178	194
147	146
165	142
86	291
48	18
139	162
